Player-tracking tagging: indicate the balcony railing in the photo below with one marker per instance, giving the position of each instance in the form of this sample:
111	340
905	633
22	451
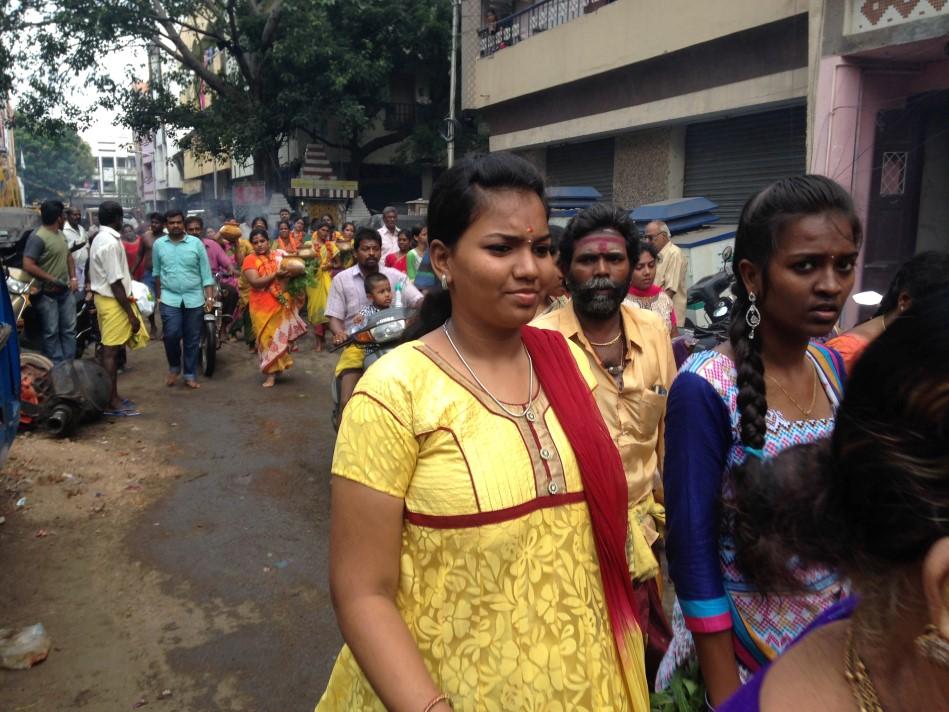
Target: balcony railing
539	17
400	116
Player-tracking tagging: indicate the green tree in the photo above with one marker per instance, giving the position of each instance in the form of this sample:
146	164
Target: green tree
325	68
54	163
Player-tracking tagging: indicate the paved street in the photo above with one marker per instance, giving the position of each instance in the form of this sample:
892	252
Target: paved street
185	550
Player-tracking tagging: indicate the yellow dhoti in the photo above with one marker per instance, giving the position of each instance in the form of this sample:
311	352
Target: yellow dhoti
351	359
114	326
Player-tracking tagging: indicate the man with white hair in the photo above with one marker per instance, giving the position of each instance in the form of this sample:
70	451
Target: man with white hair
672	268
389	232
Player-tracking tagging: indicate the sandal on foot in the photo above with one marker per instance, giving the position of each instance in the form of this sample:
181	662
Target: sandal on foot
124	413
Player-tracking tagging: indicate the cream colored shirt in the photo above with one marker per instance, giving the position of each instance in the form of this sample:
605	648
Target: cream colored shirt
634	415
671	274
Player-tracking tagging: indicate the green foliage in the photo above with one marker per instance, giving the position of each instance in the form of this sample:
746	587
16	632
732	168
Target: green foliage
325	68
686	692
56	162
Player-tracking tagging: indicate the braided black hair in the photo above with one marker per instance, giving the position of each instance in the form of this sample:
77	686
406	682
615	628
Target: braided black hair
763	218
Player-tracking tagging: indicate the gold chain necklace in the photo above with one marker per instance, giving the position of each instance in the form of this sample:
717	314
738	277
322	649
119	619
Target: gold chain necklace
805	412
861	686
608	343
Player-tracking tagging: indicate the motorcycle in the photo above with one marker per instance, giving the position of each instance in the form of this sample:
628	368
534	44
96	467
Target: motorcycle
211	337
383	330
707	296
214	329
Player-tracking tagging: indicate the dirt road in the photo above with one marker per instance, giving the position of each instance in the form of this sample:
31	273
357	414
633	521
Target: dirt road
184	550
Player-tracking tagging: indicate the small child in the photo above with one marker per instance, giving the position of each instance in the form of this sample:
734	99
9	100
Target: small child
379	291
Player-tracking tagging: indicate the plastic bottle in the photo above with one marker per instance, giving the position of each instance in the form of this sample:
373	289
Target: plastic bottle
397	299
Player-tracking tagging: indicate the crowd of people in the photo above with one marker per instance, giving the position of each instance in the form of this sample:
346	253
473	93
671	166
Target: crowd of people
509	483
515	484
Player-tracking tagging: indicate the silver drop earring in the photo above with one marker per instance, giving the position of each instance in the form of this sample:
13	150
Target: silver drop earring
752	316
444	280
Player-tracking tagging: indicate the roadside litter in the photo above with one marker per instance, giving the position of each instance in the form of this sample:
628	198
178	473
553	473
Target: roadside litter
22	649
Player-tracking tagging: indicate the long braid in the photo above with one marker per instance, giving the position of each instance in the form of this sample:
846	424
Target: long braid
751	495
752	401
758	534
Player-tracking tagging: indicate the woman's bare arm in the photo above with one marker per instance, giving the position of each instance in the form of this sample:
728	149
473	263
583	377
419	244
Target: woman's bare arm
365	546
717	659
258	282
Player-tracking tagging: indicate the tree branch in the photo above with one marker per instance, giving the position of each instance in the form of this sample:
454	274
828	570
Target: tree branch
270	28
317	137
185	56
380	142
237	50
187	25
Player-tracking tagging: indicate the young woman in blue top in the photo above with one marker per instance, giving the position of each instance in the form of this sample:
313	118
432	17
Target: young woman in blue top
768	388
874	503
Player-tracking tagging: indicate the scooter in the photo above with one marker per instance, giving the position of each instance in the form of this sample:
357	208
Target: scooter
708	296
384	330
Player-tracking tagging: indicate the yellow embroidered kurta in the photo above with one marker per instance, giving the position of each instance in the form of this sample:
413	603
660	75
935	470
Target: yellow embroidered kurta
500	585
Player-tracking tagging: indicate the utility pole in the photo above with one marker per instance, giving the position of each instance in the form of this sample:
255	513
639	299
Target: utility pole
450	128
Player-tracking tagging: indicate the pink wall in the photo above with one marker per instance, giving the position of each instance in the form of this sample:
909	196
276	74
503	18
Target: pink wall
846	102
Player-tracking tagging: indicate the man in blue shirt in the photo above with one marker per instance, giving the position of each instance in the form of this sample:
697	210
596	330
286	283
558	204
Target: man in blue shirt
184	288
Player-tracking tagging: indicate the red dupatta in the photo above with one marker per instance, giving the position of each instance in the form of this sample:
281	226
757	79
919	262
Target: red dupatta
604	484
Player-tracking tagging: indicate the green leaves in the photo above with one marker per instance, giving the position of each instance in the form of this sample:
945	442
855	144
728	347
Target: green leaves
56	161
686	692
325	68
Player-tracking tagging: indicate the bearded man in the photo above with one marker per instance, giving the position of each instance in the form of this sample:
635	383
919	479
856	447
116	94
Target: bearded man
630	353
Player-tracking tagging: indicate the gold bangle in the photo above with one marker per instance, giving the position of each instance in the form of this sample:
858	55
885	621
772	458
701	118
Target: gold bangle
440	698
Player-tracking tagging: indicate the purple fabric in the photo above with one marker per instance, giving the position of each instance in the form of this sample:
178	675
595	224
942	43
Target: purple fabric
748	698
217	257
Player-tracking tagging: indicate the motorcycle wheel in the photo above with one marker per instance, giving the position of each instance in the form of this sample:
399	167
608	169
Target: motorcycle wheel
207	354
37	361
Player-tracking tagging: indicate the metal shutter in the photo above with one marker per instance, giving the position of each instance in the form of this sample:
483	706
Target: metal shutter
728	160
589	163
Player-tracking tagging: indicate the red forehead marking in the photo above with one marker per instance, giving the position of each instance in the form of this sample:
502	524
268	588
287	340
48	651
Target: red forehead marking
603	242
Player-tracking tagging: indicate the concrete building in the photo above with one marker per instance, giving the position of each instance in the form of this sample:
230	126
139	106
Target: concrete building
11	190
644	101
879	105
116	171
648	101
159	172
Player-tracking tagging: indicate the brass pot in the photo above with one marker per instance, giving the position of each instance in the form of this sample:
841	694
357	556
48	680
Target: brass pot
294	266
306	253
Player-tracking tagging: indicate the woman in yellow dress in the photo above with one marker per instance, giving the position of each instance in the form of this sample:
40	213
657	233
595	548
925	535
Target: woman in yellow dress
477	551
317	294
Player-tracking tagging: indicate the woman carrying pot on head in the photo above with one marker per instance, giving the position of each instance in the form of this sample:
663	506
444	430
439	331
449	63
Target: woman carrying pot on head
769	387
274	312
478	534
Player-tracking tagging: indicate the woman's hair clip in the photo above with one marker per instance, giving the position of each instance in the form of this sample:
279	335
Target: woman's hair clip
756	452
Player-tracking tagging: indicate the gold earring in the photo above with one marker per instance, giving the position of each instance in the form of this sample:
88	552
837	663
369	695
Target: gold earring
933	646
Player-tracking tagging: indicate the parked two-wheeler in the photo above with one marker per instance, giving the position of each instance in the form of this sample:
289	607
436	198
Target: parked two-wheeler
381	333
708	296
217	322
